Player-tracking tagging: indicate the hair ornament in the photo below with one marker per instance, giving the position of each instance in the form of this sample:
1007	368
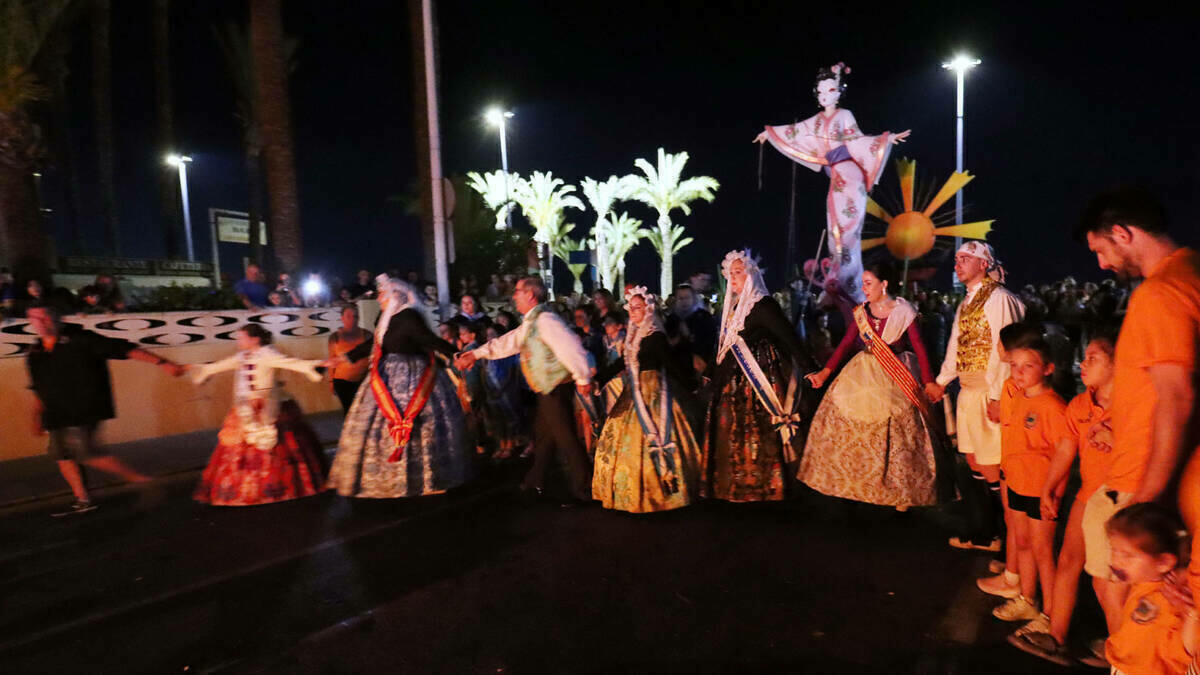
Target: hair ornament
744	255
639	290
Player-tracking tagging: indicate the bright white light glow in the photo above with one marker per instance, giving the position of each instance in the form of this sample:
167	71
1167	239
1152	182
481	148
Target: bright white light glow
313	288
496	117
176	160
961	63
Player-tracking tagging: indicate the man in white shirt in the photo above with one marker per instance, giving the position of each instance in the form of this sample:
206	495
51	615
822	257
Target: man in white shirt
555	364
973	358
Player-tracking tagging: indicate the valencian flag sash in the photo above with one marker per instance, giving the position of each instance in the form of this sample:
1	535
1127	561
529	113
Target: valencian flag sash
891	365
399	425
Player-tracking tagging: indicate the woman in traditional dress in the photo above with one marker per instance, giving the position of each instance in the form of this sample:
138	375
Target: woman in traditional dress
872	439
405	434
647	458
757	417
265	451
830	141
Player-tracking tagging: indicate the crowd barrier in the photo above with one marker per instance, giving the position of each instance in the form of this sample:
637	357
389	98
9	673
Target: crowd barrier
149	403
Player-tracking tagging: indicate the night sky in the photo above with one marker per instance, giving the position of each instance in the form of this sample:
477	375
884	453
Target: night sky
1068	100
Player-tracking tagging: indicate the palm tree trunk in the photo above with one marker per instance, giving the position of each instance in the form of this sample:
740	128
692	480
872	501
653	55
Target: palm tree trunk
602	254
102	117
68	164
254	184
22	241
666	276
170	208
546	262
274	122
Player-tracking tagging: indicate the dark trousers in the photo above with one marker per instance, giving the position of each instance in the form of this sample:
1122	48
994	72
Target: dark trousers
345	390
554	436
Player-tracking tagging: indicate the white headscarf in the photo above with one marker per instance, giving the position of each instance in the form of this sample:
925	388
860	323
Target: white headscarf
635	333
399	296
736	308
985	252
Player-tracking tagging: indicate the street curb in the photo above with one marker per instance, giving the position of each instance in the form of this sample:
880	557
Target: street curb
198	586
23	503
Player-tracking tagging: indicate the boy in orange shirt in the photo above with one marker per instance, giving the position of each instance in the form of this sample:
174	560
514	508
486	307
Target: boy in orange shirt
1007	583
1035	424
1090	437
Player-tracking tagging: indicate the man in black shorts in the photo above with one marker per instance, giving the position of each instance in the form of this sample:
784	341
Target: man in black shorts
68	372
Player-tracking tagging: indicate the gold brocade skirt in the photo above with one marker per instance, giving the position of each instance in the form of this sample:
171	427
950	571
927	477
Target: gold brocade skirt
868	442
625	477
744	456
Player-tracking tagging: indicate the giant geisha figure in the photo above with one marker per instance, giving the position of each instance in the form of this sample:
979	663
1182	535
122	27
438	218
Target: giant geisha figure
831	141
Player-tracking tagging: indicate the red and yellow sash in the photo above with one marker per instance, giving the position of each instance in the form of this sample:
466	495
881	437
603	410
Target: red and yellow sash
400	425
890	364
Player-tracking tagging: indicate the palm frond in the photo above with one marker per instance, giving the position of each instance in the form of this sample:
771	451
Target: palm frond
542	199
25	28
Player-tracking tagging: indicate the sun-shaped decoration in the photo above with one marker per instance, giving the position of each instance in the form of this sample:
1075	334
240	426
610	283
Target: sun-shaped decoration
911	234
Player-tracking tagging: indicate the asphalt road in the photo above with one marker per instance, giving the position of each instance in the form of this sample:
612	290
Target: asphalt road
477	582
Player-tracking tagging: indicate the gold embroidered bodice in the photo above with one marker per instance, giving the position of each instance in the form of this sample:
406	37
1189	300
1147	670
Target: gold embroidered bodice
974	333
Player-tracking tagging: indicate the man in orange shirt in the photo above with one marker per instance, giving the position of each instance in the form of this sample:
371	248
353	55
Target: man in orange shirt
1154	394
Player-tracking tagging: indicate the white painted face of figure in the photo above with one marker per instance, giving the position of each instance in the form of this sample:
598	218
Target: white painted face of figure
827	93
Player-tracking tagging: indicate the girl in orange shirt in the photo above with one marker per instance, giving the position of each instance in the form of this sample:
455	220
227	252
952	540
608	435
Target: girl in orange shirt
1091	438
1149	547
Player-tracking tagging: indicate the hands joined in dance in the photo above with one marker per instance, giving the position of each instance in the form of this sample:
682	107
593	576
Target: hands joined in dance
465	361
817	379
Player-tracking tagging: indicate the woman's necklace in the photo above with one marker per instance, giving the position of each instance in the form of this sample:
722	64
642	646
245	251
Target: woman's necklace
884	307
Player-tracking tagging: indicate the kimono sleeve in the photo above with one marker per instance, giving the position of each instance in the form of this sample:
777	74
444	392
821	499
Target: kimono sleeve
870	153
797	142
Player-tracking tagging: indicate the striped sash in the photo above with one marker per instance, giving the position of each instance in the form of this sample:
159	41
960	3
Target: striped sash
890	364
662	448
782	414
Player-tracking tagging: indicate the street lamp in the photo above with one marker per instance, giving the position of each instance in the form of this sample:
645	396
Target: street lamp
181	162
960	64
496	118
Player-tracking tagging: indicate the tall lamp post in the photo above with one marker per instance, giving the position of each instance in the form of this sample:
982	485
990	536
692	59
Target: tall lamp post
181	162
496	117
960	64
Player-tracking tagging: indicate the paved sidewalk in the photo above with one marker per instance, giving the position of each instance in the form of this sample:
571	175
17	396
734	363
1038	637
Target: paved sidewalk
32	479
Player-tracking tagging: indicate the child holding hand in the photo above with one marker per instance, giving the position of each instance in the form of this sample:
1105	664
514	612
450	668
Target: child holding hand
1033	427
1090	438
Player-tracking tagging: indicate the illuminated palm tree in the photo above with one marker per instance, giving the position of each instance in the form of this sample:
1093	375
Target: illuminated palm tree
621	232
563	250
542	199
602	197
662	189
496	190
24	29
